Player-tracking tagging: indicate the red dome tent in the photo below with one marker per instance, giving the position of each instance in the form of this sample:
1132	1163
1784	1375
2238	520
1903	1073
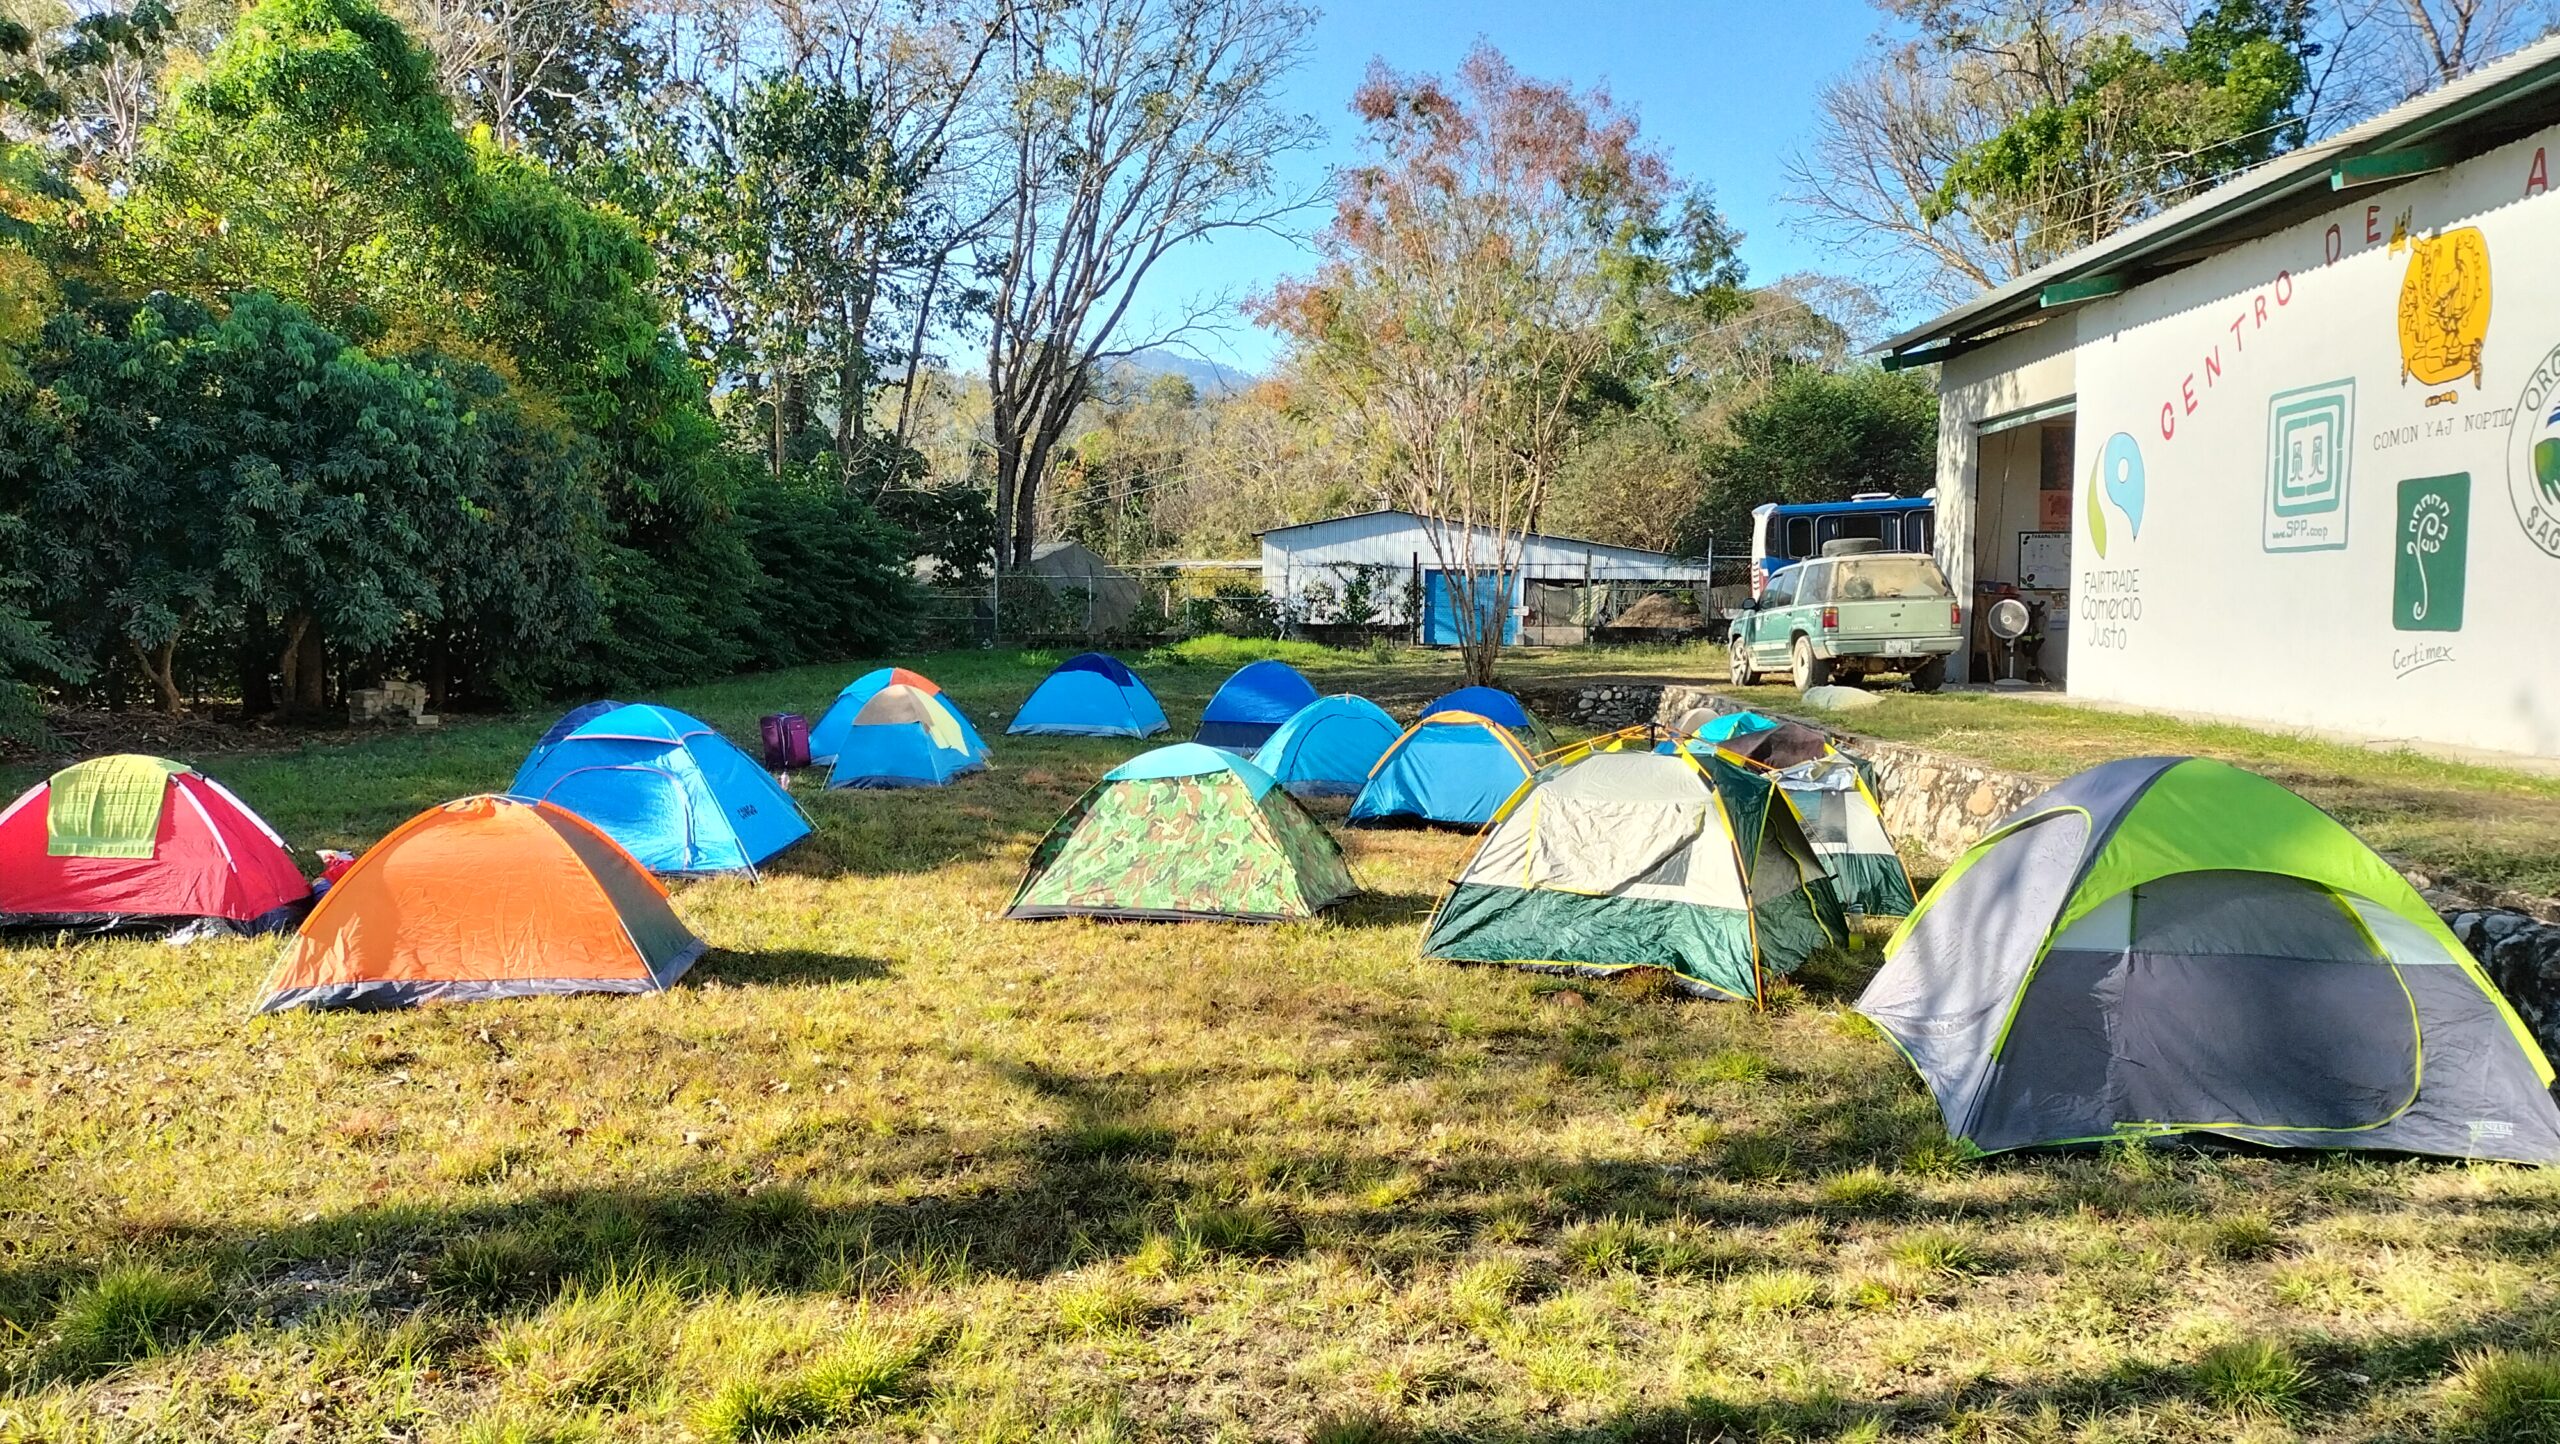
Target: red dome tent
125	840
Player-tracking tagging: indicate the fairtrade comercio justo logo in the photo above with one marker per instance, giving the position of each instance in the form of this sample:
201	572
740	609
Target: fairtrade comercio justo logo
2533	455
2117	473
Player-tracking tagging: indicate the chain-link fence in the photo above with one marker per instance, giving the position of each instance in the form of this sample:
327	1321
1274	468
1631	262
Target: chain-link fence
1101	608
1346	606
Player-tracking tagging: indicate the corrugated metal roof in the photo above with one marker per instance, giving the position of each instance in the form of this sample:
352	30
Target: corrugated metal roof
1546	536
2258	201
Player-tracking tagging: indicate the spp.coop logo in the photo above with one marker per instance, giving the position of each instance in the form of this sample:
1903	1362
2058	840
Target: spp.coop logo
2118	476
2533	455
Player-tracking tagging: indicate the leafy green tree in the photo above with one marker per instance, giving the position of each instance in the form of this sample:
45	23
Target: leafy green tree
314	158
1815	436
179	470
515	565
83	78
2142	119
317	158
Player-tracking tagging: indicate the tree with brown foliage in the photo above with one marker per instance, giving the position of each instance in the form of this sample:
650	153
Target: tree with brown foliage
1482	271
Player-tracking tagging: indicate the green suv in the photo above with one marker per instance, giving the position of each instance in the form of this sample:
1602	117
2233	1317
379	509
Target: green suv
1843	617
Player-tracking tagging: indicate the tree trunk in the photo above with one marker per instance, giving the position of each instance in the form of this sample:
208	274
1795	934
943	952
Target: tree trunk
439	673
1026	500
311	692
1008	470
159	664
853	381
786	411
289	659
915	348
257	690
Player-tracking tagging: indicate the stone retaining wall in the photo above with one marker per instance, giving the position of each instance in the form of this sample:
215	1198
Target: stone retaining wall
1597	706
1939	806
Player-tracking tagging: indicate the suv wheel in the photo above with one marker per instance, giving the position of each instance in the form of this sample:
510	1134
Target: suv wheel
1738	664
1811	671
1930	675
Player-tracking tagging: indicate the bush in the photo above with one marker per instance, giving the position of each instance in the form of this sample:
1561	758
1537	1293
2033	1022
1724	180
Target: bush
2501	1396
865	1372
834	579
1236	608
130	1311
2254	1376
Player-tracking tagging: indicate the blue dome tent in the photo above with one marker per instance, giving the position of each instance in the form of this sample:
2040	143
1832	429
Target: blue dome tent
1494	705
828	738
1454	768
905	736
570	721
1329	746
678	796
1090	696
1251	704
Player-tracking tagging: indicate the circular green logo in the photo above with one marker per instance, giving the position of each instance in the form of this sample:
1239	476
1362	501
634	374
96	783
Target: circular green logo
2533	455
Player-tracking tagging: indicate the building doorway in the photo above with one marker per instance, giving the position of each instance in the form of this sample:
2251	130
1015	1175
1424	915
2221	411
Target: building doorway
2022	543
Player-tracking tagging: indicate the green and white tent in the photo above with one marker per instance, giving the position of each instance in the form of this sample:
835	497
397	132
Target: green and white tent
1841	818
2167	945
1185	833
1619	856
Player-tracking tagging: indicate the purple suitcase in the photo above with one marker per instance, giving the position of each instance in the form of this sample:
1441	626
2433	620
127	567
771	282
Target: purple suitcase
786	741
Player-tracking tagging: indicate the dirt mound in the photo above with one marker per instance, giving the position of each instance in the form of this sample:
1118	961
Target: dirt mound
1659	610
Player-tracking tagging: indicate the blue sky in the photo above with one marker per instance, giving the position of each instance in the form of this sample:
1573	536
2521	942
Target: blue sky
1726	88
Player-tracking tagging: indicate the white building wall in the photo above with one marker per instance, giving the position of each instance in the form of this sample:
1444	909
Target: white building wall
2306	488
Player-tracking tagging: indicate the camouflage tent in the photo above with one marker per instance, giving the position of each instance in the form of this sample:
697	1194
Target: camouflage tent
1184	833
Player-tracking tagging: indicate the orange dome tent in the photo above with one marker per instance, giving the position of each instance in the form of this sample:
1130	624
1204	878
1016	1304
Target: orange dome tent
488	897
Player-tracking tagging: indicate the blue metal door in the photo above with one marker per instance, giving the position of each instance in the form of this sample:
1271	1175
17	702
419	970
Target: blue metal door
1441	606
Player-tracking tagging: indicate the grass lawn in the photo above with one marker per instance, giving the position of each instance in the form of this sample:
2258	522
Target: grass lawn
885	1167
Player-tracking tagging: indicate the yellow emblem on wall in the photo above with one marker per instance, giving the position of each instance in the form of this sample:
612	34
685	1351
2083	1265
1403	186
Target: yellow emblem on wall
2444	307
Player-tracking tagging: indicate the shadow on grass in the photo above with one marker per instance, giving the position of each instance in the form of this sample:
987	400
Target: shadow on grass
1394	911
2310	1384
788	966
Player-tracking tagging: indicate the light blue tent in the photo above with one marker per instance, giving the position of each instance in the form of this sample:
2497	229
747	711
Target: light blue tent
1725	726
678	796
570	721
1491	703
1251	704
1451	767
1090	696
1328	747
906	736
929	755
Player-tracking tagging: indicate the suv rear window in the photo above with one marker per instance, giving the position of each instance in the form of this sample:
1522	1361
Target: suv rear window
1886	579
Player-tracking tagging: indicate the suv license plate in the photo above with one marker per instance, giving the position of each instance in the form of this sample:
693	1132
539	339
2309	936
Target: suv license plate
1901	649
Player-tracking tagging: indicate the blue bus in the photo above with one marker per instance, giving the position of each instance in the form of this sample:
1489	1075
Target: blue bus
1784	534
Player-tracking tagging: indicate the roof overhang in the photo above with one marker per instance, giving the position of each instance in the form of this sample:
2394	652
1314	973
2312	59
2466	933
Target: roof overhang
2486	109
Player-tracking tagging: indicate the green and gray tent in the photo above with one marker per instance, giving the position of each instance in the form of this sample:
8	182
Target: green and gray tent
1617	856
2165	946
1843	821
1185	833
